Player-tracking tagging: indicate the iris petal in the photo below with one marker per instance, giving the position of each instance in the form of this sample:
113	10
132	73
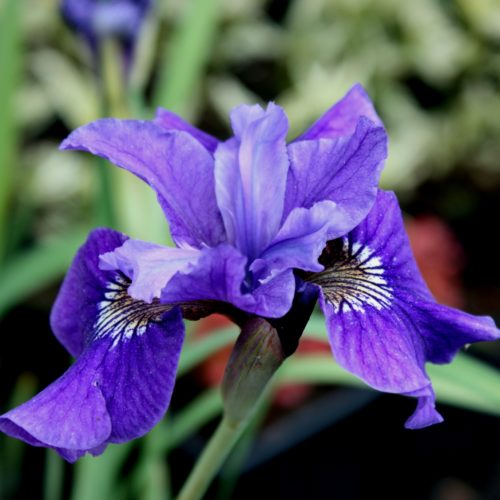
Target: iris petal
345	171
148	266
170	121
117	390
342	118
382	321
174	164
221	275
122	381
300	240
250	177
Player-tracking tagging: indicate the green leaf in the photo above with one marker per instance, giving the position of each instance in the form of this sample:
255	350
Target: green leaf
12	450
53	476
96	477
10	63
30	271
196	351
196	414
467	382
188	52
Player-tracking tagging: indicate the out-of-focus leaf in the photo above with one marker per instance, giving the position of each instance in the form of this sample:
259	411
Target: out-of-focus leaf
70	89
187	54
225	93
96	477
10	60
12	450
150	478
53	477
467	383
195	351
196	414
33	269
484	15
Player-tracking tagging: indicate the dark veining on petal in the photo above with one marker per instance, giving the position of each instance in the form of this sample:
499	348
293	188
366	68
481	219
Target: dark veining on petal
120	316
353	277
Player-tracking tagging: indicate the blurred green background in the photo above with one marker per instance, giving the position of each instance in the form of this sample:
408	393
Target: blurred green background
432	68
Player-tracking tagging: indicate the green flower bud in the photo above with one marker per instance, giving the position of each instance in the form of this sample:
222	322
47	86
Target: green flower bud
255	358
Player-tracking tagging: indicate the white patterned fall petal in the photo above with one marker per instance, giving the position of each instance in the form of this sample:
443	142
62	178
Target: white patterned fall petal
354	278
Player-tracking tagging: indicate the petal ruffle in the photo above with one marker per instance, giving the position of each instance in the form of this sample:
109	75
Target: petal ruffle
342	118
149	266
250	177
383	323
345	171
170	121
174	164
221	275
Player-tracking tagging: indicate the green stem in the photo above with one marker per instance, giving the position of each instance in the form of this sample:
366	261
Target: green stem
113	79
212	458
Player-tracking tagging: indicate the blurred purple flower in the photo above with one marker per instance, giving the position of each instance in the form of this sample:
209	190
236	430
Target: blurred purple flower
96	20
248	216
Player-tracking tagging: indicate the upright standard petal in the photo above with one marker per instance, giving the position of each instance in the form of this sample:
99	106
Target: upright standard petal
174	164
250	177
170	121
121	383
342	118
346	171
383	323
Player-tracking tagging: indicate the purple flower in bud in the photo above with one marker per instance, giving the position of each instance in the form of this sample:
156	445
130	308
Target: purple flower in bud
260	227
97	20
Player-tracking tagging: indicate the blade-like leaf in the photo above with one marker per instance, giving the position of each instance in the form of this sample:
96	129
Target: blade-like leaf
188	52
10	59
195	351
35	268
467	382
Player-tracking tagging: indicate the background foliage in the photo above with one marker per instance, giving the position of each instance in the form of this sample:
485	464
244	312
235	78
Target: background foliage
433	70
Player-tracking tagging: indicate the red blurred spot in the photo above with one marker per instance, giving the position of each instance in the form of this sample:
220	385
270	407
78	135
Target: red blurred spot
439	257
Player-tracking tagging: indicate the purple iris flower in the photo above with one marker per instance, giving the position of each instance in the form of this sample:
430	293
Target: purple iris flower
251	218
96	20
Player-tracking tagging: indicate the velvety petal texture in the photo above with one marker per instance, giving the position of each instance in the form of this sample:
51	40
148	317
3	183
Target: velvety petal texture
121	383
383	323
173	163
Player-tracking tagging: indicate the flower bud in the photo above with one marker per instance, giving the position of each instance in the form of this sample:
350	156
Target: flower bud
260	350
255	358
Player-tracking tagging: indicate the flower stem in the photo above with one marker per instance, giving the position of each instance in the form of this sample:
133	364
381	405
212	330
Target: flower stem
113	79
212	458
